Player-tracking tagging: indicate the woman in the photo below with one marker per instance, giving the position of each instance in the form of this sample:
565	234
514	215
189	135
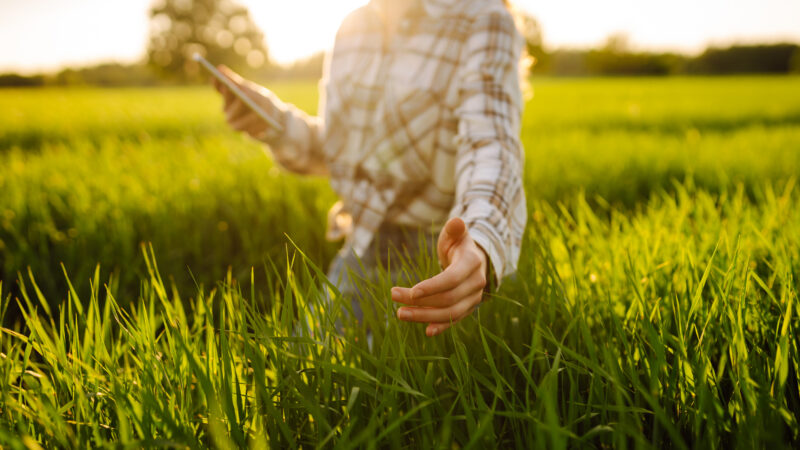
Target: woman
421	109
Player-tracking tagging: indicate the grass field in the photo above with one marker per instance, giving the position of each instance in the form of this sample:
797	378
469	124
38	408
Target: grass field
161	282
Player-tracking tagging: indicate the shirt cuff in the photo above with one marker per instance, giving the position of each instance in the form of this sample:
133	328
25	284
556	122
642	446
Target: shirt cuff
277	110
272	136
495	262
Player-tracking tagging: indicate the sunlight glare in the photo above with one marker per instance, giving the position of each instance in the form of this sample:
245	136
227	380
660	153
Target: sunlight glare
299	28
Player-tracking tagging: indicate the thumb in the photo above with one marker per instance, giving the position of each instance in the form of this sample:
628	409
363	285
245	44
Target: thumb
236	78
228	72
454	231
246	86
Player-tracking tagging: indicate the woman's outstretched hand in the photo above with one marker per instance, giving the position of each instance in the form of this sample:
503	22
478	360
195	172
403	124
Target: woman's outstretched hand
453	294
239	116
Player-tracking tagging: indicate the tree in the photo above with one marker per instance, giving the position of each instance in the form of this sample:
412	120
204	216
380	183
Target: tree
220	30
616	57
531	30
617	43
768	58
795	64
16	80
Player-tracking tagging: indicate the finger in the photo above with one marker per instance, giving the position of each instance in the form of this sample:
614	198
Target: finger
236	109
435	329
251	124
475	282
453	232
220	87
247	87
451	277
233	77
453	313
228	99
227	95
402	295
230	74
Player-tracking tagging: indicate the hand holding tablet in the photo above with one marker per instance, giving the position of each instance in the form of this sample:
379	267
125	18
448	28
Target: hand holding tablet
236	90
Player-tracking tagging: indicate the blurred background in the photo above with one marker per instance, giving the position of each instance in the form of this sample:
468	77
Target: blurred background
146	42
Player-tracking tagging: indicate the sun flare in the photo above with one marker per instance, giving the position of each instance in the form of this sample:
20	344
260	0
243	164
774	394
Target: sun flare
299	28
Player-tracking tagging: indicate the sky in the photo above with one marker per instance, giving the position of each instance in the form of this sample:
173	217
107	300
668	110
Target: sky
43	35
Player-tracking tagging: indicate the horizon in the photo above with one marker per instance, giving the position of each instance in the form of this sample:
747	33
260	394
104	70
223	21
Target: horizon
73	29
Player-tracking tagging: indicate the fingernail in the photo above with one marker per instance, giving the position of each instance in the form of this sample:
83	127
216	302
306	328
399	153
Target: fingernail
403	314
395	293
433	332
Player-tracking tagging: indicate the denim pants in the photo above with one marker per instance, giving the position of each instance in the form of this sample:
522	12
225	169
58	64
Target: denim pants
393	249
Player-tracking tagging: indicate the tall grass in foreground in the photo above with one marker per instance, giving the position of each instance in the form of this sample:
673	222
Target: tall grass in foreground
672	326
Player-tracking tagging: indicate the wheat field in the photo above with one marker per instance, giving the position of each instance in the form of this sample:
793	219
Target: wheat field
162	282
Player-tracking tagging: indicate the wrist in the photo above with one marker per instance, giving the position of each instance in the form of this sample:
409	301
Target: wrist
486	264
270	135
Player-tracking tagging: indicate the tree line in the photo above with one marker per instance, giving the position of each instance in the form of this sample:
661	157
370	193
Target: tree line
615	60
737	59
224	32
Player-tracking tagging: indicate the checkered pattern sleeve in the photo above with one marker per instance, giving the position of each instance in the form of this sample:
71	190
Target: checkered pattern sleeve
300	147
489	161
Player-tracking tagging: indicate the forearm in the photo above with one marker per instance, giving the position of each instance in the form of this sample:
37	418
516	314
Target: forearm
299	147
491	201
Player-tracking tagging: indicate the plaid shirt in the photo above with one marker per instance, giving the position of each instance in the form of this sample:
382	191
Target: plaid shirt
419	128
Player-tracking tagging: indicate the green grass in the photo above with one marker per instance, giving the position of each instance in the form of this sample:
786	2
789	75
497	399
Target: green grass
655	304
